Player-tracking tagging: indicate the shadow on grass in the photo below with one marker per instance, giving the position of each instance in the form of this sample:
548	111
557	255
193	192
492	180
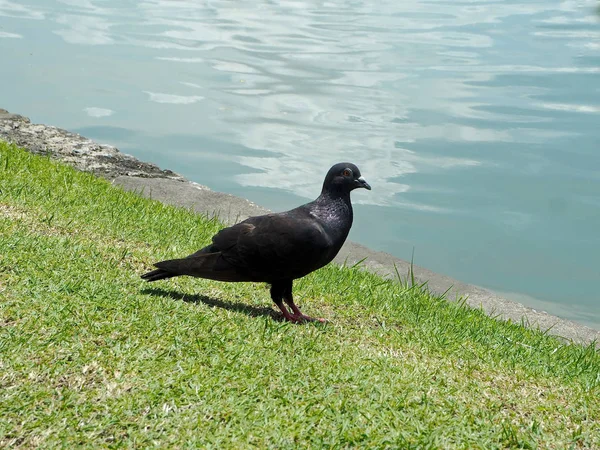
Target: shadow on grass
249	310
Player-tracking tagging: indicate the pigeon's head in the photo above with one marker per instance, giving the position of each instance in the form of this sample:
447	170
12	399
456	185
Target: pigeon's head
343	178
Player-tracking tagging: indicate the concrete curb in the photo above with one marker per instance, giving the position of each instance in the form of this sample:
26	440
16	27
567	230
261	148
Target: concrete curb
168	187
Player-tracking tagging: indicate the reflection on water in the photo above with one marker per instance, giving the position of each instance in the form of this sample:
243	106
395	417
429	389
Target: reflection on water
475	122
98	112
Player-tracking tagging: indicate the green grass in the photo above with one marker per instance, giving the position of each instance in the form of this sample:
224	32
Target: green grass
92	356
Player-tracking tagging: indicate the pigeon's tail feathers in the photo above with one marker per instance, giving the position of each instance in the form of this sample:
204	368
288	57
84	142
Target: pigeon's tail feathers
206	265
156	275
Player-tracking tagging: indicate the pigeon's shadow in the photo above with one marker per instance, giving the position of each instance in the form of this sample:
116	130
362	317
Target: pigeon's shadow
252	311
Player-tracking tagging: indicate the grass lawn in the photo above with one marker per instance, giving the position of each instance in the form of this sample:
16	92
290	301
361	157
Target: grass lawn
90	355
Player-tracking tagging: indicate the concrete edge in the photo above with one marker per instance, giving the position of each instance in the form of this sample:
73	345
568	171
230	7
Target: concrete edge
168	187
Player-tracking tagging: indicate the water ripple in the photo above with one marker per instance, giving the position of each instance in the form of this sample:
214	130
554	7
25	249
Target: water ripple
346	78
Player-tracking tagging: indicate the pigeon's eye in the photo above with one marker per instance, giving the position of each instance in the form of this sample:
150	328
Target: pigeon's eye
347	172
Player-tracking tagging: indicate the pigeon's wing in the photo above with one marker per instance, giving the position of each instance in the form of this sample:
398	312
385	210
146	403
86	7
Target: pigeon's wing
228	237
275	246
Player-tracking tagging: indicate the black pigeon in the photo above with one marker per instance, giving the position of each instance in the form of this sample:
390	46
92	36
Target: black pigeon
277	248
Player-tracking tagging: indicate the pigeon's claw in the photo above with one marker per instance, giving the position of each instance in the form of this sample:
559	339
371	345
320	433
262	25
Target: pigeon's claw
287	315
297	316
306	318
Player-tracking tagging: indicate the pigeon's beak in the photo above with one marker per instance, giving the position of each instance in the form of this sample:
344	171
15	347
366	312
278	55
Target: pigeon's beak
362	183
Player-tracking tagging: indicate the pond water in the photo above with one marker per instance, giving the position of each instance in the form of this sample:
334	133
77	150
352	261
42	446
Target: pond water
477	123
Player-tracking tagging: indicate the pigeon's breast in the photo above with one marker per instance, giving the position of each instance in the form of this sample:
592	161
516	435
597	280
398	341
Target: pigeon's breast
336	220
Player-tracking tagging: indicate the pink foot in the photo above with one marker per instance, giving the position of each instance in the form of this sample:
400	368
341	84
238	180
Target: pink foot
305	318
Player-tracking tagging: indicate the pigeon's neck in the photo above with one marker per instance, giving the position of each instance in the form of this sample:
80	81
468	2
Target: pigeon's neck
331	194
334	210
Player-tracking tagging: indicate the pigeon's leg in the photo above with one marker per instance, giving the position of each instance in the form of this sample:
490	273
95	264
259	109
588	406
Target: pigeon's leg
289	299
276	294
